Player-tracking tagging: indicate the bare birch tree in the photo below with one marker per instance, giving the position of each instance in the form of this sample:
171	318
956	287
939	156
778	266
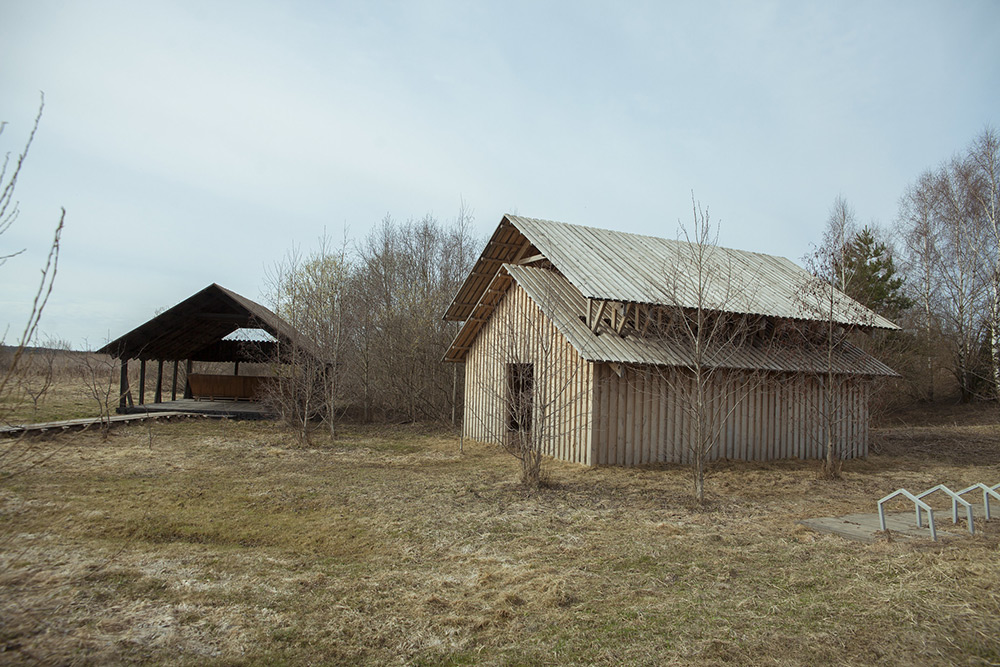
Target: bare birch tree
962	280
951	232
984	190
316	291
918	230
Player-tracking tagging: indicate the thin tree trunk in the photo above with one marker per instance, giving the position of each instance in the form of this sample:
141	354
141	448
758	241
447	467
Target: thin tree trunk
831	470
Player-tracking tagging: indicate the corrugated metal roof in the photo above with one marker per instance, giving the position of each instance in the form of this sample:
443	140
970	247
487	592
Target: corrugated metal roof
564	304
244	335
619	266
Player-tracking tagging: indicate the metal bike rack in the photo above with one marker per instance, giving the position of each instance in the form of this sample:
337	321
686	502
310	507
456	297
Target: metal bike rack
955	500
988	492
917	502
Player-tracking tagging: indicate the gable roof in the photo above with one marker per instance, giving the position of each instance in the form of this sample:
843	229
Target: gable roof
619	266
195	327
562	303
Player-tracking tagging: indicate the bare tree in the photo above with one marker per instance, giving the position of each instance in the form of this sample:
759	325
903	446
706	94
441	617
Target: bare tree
406	275
962	279
983	165
319	291
9	213
951	232
841	227
524	381
100	376
707	322
38	372
459	255
918	229
834	318
298	390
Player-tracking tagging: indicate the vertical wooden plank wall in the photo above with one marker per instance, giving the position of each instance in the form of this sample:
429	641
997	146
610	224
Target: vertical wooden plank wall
639	420
595	417
564	380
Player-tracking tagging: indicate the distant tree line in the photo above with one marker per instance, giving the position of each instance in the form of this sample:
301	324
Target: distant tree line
373	307
935	272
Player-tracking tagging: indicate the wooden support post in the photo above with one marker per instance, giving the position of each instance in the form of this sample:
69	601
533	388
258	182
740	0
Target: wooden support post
647	321
159	381
596	322
142	382
187	383
236	367
522	252
173	386
622	318
123	387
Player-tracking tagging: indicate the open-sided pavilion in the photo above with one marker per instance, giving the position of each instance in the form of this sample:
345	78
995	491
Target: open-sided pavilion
201	328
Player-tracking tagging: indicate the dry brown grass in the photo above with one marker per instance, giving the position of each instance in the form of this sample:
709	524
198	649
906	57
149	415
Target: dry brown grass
225	543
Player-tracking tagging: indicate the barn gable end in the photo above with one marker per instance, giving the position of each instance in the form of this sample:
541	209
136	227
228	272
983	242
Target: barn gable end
518	332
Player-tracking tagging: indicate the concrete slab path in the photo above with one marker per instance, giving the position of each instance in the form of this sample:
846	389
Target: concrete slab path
866	527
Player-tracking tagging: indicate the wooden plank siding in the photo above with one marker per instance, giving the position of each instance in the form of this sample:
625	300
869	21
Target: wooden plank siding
594	416
518	331
643	419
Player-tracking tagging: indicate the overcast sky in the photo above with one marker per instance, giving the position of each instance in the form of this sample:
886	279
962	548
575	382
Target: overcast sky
194	142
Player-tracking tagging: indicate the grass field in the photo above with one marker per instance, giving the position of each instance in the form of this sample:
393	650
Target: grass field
207	542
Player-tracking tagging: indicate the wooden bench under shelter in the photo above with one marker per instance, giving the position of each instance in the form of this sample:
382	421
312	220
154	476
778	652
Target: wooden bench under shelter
229	387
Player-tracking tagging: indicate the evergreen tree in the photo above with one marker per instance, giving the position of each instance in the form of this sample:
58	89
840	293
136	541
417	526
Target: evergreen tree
870	274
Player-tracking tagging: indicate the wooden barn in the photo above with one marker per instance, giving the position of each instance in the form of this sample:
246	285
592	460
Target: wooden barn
581	332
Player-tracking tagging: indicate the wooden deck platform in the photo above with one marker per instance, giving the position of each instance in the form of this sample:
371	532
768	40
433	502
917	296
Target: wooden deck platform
84	423
184	407
866	527
231	409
